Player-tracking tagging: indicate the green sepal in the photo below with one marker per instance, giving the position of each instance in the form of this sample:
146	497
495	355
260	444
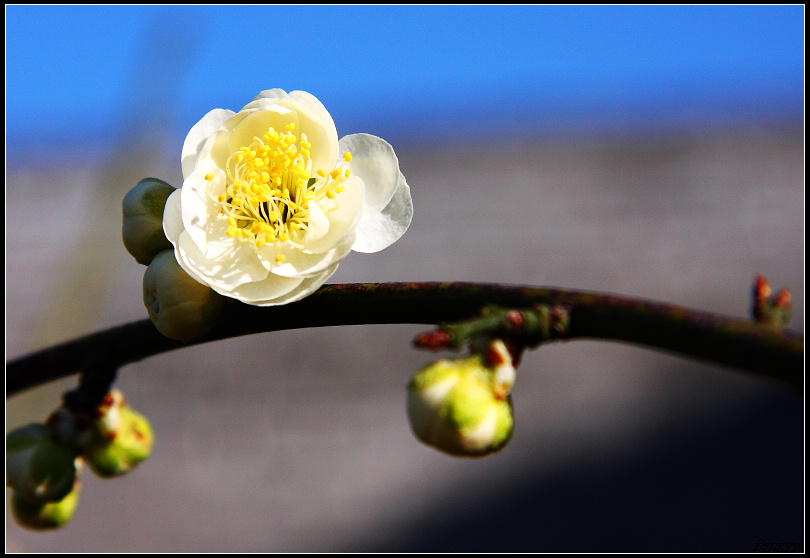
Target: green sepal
142	228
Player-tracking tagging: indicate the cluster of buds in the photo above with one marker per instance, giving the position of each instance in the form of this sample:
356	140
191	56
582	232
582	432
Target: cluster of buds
767	308
43	461
462	406
180	307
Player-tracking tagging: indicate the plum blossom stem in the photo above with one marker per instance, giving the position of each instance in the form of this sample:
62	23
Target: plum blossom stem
763	349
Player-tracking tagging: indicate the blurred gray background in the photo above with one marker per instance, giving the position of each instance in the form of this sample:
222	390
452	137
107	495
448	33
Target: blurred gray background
299	441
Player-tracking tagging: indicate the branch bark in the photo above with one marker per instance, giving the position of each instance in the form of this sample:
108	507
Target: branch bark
765	350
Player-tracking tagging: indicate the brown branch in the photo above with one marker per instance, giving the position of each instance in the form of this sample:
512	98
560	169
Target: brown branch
763	349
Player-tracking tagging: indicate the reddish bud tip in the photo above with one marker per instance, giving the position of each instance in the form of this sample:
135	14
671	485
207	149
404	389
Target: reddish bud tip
516	320
437	339
493	357
782	299
762	289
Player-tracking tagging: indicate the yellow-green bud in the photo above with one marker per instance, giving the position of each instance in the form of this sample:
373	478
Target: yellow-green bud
462	406
39	468
143	219
45	515
120	438
180	307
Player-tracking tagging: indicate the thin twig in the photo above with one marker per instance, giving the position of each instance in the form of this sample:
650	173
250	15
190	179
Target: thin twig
763	349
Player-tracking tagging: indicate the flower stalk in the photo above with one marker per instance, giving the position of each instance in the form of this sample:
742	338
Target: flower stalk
523	327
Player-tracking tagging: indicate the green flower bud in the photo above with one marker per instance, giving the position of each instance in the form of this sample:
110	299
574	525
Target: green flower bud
143	219
180	307
47	515
120	438
39	468
462	406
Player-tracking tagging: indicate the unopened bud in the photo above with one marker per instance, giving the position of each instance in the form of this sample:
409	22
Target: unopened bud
45	515
770	309
143	219
39	468
180	307
462	406
120	438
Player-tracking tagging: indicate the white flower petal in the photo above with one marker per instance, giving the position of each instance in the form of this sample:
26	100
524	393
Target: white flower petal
316	122
313	120
377	231
373	160
300	264
342	220
318	224
219	150
173	217
200	132
198	206
267	291
229	263
305	288
268	94
257	122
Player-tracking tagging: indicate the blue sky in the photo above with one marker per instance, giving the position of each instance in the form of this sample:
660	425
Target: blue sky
76	73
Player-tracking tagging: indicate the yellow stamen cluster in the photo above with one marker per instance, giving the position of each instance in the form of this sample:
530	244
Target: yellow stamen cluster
270	185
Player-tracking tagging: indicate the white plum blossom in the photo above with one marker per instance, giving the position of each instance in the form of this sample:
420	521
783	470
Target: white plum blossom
272	202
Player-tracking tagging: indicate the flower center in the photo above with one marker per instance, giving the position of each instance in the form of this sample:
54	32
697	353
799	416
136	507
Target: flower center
270	186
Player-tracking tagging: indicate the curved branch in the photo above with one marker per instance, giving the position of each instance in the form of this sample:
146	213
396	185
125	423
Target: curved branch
762	349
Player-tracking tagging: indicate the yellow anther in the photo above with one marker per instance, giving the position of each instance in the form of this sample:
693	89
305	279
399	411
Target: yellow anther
268	188
348	173
209	177
280	258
